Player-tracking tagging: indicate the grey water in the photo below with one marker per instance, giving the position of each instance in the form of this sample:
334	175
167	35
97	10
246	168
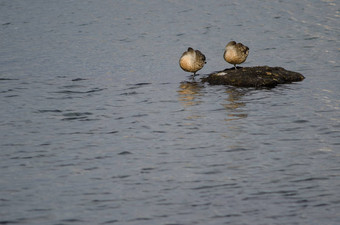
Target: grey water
99	125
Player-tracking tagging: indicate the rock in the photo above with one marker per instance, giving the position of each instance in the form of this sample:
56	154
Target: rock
259	76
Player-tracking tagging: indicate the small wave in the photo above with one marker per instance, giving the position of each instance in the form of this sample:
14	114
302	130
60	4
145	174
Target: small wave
142	84
8	79
49	111
76	115
78	79
214	186
124	153
129	93
310	179
136	86
79	92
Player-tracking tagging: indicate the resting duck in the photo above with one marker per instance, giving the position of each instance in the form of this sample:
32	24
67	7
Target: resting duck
235	53
192	60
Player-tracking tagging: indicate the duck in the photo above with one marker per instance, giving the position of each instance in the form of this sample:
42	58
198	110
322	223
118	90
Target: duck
235	53
192	60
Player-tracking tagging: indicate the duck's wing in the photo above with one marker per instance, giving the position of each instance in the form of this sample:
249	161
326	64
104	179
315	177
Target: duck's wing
200	55
242	48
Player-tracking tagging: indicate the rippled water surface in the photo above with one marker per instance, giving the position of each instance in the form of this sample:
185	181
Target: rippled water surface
99	125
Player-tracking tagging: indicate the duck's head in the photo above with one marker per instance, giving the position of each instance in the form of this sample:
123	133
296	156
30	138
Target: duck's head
231	43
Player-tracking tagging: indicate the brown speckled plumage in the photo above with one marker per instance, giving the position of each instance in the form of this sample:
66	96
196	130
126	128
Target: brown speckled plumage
235	53
192	60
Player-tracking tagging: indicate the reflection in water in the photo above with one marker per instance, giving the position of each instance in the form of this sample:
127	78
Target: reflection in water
234	104
188	93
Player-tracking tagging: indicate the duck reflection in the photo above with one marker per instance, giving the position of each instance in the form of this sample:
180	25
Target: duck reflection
189	93
234	104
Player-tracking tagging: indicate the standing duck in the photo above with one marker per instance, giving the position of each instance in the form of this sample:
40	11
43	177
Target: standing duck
192	60
235	53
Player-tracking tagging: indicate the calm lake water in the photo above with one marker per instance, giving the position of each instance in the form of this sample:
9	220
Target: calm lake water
99	125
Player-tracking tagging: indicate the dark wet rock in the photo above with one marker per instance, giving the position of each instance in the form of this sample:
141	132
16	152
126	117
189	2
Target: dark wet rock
259	76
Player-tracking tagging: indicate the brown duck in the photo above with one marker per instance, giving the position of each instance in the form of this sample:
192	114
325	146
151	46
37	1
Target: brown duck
235	53
192	60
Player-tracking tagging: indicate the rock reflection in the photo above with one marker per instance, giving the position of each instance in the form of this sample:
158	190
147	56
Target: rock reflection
234	104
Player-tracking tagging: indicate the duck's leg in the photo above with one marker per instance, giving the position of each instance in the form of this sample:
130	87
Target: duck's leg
235	66
193	76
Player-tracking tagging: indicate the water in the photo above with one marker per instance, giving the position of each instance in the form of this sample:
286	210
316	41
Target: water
99	125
